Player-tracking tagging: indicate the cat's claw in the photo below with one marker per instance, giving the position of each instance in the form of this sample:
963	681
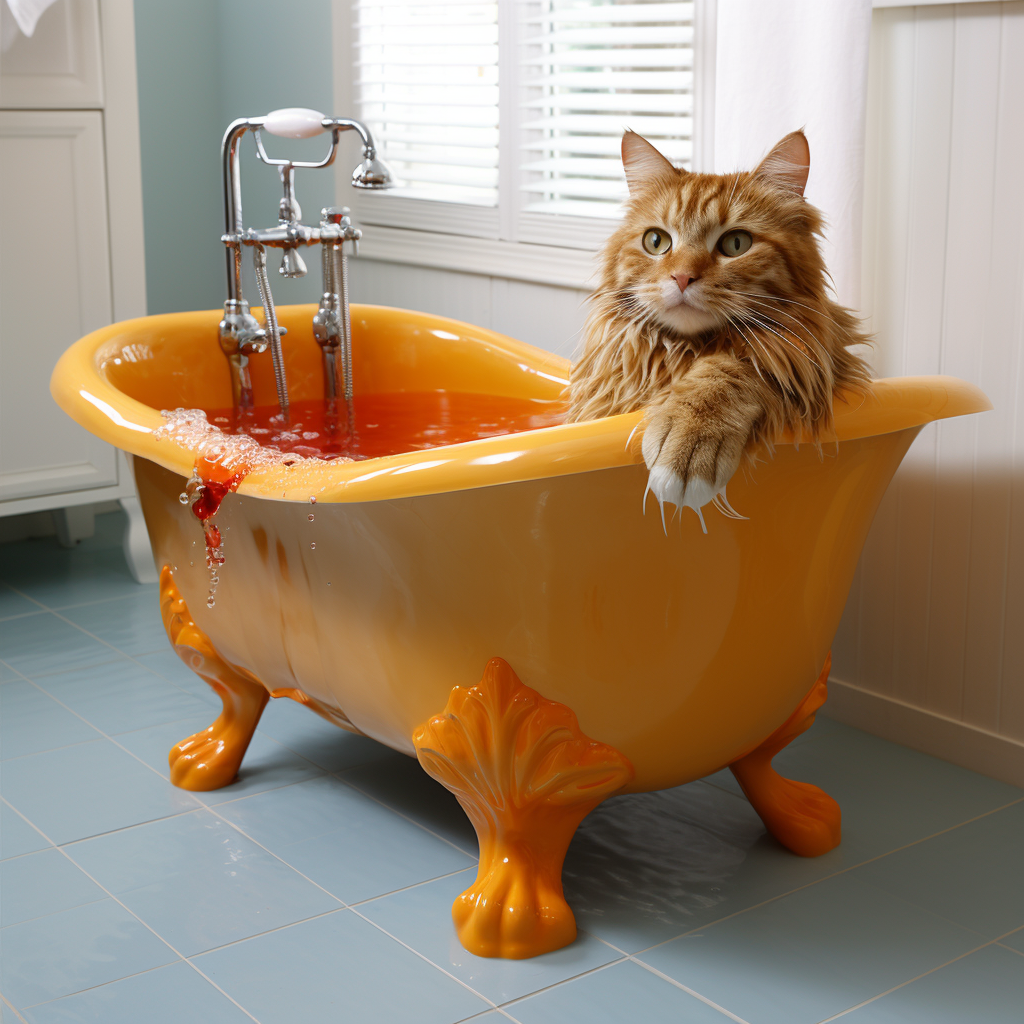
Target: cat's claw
666	485
721	502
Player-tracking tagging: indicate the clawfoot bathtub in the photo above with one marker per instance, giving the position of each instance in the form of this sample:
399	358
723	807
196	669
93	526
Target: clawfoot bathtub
503	609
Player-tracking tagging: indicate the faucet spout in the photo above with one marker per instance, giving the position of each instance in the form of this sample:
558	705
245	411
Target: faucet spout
240	332
240	337
332	326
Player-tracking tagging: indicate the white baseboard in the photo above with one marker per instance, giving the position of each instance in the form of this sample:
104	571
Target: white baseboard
966	745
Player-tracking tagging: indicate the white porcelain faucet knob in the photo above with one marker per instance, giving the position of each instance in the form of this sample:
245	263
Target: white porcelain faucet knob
294	122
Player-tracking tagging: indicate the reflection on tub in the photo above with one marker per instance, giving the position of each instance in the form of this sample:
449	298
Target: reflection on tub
504	612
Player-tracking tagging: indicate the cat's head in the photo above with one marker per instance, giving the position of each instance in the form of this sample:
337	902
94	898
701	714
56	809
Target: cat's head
695	250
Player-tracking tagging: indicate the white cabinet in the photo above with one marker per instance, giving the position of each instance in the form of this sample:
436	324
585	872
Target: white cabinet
54	288
60	65
71	242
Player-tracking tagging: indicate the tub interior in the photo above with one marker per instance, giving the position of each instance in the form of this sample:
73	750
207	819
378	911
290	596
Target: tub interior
175	361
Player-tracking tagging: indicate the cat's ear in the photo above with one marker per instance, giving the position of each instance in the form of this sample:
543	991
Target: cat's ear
787	164
642	162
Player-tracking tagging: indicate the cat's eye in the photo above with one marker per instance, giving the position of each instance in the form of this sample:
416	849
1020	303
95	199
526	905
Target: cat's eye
656	241
735	243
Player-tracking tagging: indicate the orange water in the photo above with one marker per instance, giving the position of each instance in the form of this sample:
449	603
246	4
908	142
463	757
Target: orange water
382	424
388	423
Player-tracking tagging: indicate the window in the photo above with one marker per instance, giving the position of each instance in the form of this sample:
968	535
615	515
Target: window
426	77
503	121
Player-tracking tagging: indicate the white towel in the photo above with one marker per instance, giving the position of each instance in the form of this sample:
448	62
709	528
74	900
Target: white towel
23	15
788	64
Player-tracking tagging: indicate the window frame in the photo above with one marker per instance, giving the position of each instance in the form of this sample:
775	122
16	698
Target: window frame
483	240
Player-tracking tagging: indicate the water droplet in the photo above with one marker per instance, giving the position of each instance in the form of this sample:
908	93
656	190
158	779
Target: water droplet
312	545
215	580
191	563
183	498
312	499
328	583
311	517
211	601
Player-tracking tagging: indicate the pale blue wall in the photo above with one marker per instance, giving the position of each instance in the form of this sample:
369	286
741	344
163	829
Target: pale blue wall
202	63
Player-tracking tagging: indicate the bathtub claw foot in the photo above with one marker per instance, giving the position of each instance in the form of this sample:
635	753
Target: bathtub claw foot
211	758
526	776
802	817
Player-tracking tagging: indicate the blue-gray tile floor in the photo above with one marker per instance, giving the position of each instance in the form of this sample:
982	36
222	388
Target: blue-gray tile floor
318	886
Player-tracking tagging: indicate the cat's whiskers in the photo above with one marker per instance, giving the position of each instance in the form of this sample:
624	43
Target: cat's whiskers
736	181
753	341
782	327
761	322
765	303
779	298
746	314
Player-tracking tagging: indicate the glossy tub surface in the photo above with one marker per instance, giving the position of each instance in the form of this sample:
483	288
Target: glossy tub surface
680	650
683	651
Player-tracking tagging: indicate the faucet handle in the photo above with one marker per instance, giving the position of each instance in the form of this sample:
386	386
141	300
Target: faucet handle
294	122
338	217
334	214
292	264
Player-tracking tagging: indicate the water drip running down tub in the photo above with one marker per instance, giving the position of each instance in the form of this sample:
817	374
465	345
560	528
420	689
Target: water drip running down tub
229	446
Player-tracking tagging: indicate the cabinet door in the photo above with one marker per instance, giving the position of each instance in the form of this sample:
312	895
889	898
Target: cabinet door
54	287
59	65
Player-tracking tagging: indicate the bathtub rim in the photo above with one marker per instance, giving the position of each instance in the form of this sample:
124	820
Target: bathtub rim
81	389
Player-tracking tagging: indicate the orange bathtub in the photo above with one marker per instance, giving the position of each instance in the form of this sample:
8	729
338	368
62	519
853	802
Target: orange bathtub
503	609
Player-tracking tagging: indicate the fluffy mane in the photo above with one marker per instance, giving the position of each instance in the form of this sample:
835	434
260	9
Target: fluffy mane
653	316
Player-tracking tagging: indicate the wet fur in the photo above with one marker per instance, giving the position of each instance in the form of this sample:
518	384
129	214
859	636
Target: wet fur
752	345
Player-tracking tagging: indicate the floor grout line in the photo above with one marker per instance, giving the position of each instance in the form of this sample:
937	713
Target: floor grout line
825	878
563	981
49	750
268	931
342	905
483	1013
1010	948
52	913
436	835
92	988
231	824
910	981
23	615
469	988
10	1006
693	992
415	885
100	640
128	910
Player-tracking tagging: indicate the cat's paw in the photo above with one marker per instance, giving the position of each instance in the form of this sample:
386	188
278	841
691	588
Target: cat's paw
690	462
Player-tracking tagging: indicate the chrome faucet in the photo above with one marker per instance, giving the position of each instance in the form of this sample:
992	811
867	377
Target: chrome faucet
241	334
332	326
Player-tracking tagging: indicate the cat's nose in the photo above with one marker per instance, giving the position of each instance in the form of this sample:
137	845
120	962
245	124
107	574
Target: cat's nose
683	280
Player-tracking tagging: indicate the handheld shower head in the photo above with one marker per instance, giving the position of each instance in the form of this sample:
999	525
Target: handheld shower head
372	173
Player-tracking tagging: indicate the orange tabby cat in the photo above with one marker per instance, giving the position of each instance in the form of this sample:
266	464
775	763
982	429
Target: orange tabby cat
713	316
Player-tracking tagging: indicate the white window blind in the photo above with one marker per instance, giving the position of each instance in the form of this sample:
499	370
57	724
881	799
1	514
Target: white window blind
503	120
426	80
593	68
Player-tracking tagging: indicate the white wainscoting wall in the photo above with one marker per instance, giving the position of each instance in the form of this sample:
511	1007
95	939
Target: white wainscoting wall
543	315
931	648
